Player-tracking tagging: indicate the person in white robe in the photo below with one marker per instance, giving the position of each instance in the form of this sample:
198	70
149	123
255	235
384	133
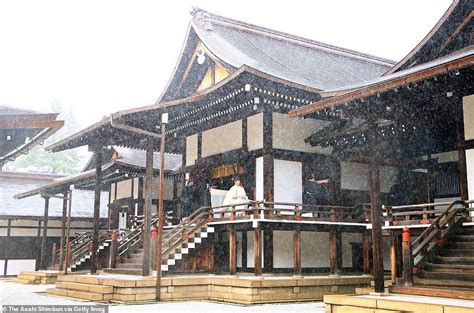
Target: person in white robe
236	195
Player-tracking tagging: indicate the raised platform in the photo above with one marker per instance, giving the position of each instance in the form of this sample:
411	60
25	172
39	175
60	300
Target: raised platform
235	289
388	303
36	278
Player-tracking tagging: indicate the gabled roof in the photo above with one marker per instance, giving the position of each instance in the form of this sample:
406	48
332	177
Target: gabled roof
452	32
21	130
303	61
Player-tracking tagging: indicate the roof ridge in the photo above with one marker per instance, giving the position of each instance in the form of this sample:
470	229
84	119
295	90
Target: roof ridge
206	19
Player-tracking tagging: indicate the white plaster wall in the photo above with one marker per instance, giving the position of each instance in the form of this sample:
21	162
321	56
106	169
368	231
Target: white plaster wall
222	139
112	192
468	107
135	188
17	266
255	132
191	149
168	189
239	249
355	176
444	157
288	181
259	179
470	172
124	189
314	249
290	133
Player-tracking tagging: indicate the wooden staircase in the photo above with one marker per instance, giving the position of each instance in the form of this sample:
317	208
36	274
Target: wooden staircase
447	269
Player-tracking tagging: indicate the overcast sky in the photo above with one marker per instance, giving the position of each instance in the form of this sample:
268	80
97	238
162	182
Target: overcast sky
98	57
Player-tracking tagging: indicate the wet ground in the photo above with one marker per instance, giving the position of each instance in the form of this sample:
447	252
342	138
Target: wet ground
17	294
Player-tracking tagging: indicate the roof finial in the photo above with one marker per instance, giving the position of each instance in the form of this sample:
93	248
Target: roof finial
202	17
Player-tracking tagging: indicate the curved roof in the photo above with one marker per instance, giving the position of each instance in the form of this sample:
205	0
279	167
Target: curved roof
22	130
295	59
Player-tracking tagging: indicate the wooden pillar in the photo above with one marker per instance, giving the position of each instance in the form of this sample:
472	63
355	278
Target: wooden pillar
95	227
463	188
6	250
338	251
366	251
297	251
393	258
63	232
268	250
232	250
38	244
68	233
244	251
333	270
407	258
376	218
268	158
257	250
147	211
399	256
43	264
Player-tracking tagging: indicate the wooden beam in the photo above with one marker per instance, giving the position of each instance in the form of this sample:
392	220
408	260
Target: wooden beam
147	212
257	250
31	124
333	252
95	227
232	250
297	251
43	264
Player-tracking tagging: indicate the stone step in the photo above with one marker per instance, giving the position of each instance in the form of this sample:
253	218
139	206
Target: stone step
465	231
433	292
462	237
457	252
94	288
123	271
24	280
444	283
83	295
461	245
130	265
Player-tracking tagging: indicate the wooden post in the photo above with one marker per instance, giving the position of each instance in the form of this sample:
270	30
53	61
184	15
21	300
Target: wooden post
38	244
407	258
268	250
257	250
366	248
164	121
68	233
154	240
43	264
53	255
297	251
376	210
332	252
268	159
393	258
63	232
232	250
338	252
244	250
462	172
113	250
6	251
95	226
147	210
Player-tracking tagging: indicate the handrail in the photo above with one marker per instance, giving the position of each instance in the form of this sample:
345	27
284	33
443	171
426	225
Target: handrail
434	231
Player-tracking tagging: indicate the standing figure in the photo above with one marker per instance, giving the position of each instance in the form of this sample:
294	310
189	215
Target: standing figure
236	195
188	198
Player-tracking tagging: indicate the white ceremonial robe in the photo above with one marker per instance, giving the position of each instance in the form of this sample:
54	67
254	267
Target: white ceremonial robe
236	195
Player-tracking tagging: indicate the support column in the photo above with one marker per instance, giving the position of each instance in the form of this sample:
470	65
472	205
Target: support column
393	258
147	211
244	251
376	218
268	250
95	230
366	251
338	251
43	264
232	250
63	232
68	232
257	251
297	251
333	270
268	159
463	188
6	250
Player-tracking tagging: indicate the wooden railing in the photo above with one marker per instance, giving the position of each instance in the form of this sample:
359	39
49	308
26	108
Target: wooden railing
446	221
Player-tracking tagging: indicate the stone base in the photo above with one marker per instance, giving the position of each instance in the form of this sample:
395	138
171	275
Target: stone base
235	289
389	303
36	278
